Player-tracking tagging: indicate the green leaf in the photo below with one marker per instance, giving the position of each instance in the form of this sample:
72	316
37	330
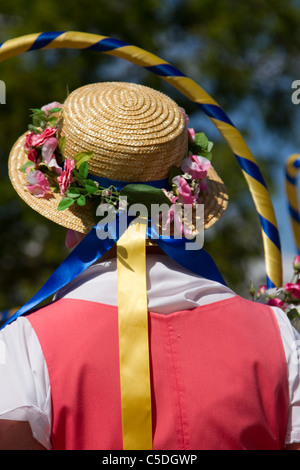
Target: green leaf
293	314
36	121
175	171
73	192
82	157
201	140
62	145
78	177
38	113
65	203
202	146
41	115
54	110
36	110
25	166
90	186
81	200
84	169
209	146
32	128
206	154
144	194
52	121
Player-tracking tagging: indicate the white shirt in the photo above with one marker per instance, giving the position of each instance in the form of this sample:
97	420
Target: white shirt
25	393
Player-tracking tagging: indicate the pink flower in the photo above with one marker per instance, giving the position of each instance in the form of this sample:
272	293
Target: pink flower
296	263
48	155
38	140
66	176
28	138
293	289
184	190
174	215
276	303
261	290
170	195
196	166
48	107
191	134
32	155
48	149
73	238
38	184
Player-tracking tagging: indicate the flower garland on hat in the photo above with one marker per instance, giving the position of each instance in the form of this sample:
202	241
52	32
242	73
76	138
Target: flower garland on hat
49	170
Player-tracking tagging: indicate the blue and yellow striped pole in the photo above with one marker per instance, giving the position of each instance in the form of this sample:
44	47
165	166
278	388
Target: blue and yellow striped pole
249	167
292	168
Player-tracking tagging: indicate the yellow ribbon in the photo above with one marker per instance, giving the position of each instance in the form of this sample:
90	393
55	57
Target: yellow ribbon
133	339
292	194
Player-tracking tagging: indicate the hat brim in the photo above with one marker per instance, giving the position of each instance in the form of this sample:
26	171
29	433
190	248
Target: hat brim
80	218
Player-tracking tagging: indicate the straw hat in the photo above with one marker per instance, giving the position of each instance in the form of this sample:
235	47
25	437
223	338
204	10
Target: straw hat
137	134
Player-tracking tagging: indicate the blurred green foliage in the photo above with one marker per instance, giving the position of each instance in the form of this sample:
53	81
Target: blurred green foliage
245	54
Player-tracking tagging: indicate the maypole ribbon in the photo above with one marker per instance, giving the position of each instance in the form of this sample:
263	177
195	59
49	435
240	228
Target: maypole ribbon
292	168
169	73
133	339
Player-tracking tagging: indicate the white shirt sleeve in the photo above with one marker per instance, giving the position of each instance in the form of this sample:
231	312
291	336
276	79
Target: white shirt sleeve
291	343
24	381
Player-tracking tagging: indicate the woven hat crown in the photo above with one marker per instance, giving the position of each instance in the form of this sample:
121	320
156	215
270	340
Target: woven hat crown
135	132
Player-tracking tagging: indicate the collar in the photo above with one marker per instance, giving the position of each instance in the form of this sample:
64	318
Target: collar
170	287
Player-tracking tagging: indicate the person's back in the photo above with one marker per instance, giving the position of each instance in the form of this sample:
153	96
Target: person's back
232	394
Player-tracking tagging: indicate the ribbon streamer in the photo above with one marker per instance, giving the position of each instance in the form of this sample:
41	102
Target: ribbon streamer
94	245
292	168
136	55
133	339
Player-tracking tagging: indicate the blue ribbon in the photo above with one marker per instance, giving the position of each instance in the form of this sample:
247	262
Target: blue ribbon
98	241
197	261
44	39
89	250
106	183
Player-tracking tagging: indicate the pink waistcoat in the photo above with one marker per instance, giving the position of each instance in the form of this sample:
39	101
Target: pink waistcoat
219	376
